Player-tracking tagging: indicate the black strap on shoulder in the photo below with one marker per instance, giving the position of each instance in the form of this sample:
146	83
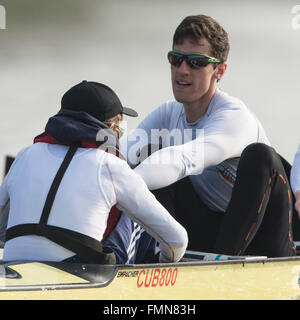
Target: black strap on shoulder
56	182
83	245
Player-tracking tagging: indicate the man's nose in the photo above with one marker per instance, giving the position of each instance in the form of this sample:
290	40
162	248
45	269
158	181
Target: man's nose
184	67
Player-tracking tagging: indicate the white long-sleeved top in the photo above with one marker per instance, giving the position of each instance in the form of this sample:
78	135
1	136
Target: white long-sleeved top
93	183
207	150
295	172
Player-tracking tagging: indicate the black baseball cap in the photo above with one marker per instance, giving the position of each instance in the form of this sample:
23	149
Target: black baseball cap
96	99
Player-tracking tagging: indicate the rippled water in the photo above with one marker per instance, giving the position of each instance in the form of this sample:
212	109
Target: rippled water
49	46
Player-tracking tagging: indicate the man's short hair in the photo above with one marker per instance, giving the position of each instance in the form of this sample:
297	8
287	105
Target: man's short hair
201	26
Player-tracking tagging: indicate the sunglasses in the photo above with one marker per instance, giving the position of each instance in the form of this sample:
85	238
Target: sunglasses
194	60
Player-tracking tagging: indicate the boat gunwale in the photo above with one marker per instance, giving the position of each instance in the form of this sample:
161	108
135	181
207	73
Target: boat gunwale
116	268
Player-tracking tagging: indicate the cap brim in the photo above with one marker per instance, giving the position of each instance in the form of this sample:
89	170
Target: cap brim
129	112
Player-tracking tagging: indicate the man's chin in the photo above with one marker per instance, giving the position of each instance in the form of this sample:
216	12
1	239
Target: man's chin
179	98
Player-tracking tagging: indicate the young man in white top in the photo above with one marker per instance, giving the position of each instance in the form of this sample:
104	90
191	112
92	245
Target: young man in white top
65	191
215	170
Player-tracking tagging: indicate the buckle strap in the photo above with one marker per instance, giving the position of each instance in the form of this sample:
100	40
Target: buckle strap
83	245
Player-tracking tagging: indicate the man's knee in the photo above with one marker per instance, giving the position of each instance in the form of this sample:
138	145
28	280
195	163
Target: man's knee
257	154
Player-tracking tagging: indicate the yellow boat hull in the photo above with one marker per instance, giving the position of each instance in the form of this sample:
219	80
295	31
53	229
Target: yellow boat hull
267	279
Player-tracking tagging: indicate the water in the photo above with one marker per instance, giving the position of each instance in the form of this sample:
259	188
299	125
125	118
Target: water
49	46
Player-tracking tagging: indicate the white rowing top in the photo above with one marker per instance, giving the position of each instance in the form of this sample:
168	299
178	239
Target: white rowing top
93	183
207	150
295	172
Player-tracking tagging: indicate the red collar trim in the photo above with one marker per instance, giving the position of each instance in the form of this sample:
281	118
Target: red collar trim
46	138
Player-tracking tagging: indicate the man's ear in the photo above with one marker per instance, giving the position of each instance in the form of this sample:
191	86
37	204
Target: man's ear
220	70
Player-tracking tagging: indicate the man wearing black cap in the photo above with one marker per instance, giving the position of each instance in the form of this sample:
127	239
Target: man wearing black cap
64	191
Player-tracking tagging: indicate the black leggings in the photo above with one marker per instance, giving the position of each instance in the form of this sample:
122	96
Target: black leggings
258	219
